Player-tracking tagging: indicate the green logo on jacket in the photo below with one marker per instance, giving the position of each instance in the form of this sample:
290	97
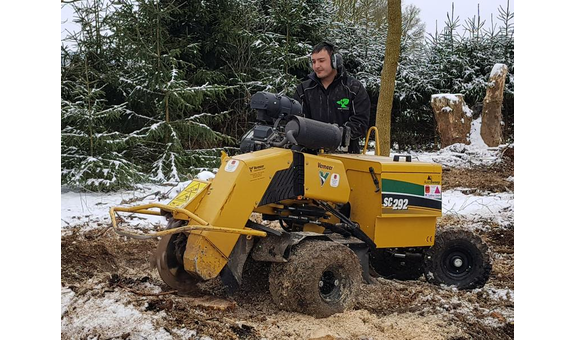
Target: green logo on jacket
343	103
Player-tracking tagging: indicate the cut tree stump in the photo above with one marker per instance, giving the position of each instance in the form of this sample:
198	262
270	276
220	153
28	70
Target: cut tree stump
211	302
453	118
491	118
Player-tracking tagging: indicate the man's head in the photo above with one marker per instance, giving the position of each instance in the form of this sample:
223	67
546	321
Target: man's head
321	60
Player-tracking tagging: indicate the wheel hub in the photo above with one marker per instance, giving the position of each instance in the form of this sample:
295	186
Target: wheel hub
457	263
329	285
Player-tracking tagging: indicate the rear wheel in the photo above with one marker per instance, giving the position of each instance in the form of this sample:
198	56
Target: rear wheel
459	258
320	278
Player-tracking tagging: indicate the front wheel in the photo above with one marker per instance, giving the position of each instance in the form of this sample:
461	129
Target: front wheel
458	258
321	278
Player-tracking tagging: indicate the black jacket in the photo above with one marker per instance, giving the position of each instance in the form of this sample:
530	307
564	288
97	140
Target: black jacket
344	102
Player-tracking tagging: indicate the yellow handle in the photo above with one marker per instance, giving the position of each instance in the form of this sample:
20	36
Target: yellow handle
377	150
143	209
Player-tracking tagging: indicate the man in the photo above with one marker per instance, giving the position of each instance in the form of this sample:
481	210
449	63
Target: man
330	95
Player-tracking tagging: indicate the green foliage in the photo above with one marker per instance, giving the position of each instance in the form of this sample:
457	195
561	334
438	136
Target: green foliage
92	150
92	156
106	172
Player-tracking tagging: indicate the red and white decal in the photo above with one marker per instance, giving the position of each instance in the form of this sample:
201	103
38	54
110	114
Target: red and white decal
334	182
432	191
232	165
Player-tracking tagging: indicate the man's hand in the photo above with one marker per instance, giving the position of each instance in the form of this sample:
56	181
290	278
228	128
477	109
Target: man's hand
346	136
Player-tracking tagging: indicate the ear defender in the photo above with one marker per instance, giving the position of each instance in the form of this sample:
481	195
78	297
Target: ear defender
336	61
336	58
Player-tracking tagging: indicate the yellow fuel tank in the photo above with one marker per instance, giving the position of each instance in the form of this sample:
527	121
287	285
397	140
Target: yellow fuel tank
396	202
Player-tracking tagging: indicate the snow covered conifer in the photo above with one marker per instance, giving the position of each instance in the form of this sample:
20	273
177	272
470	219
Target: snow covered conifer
92	150
159	74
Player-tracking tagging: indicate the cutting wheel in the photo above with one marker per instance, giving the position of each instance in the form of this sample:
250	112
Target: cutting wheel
170	264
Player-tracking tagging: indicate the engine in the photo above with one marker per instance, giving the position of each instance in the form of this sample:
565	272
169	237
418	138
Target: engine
280	124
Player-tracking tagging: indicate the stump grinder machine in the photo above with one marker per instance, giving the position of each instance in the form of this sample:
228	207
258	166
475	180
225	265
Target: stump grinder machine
339	218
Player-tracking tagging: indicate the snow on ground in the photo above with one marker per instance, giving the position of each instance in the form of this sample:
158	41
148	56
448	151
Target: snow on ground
459	155
116	310
92	210
497	207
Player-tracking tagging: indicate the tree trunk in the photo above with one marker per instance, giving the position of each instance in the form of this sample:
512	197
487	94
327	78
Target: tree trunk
491	119
453	118
385	99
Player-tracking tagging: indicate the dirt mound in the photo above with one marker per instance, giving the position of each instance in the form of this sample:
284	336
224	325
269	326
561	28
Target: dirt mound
98	269
496	178
101	252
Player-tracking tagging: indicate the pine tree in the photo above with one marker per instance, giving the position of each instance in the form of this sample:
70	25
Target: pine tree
158	75
92	151
92	155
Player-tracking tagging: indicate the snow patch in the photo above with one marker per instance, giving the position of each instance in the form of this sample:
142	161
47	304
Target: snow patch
111	316
449	96
205	175
498	207
467	111
459	155
447	109
475	135
499	294
497	70
66	296
91	210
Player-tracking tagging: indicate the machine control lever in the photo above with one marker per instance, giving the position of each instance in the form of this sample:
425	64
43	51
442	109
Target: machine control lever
375	181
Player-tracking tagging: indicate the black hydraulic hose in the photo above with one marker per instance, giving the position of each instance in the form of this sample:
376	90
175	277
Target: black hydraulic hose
336	229
351	226
290	137
280	143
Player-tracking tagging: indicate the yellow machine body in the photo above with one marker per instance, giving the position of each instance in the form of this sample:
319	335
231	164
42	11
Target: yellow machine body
325	179
228	201
336	218
395	203
401	211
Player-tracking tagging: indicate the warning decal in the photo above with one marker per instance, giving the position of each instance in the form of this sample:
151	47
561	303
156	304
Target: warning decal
191	191
334	182
232	165
432	191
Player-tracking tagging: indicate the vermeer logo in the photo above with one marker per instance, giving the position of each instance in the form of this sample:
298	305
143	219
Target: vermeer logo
323	177
257	168
323	166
